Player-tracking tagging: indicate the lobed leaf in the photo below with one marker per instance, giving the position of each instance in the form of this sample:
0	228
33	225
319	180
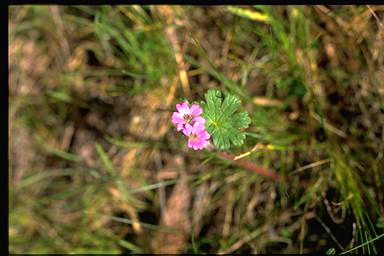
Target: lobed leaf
223	123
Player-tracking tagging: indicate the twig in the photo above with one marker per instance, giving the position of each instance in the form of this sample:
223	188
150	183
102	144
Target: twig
328	126
302	233
377	18
245	240
228	214
351	243
329	232
61	30
305	167
128	208
168	13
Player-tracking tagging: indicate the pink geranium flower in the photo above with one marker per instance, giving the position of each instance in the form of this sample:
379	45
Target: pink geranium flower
198	136
187	115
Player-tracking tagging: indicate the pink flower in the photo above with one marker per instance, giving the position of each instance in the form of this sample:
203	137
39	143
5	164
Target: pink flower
198	136
187	115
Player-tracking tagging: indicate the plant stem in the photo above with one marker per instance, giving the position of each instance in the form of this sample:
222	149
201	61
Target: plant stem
251	166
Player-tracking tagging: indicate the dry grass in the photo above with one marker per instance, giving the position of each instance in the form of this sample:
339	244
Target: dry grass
96	165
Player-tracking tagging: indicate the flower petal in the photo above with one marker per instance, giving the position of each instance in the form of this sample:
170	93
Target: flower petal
177	118
183	108
187	129
197	146
180	126
190	143
198	128
199	119
196	110
204	135
178	107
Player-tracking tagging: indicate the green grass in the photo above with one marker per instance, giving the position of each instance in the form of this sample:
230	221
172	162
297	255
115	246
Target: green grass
90	130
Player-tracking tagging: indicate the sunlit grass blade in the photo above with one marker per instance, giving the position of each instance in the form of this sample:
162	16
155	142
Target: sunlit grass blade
130	246
253	15
363	244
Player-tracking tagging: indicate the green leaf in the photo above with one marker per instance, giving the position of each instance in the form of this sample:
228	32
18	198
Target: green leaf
224	125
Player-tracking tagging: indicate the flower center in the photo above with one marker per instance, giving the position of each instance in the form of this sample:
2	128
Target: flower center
188	118
193	136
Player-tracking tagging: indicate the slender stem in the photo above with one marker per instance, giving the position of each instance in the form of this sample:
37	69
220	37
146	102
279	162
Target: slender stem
251	166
